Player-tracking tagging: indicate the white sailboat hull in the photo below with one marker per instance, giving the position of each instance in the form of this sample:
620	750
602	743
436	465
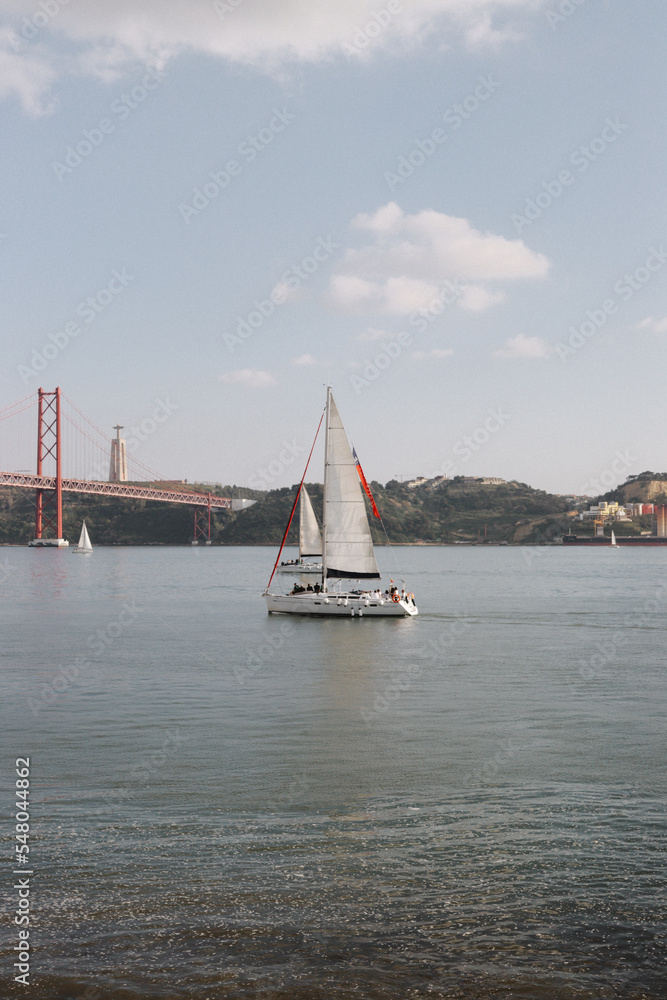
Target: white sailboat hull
82	551
338	605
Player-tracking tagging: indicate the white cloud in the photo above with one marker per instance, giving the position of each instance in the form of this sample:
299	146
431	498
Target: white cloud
351	294
404	294
436	354
654	325
411	256
304	360
482	34
524	348
282	293
477	299
28	77
373	333
250	377
262	33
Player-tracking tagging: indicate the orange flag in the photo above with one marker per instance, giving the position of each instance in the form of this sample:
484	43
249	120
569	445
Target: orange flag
365	484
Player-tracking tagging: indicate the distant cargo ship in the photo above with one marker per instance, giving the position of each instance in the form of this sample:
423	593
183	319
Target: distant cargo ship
646	540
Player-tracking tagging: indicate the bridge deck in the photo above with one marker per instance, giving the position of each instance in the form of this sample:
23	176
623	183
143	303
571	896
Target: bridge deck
26	481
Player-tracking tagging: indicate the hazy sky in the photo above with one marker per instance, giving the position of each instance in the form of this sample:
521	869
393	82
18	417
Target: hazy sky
453	210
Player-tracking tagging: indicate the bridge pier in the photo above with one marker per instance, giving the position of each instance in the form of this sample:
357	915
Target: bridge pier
202	530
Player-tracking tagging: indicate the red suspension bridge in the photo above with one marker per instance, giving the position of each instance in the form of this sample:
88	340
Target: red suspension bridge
66	439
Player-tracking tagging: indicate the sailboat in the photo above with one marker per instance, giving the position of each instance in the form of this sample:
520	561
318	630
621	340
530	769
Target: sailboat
84	541
347	545
613	539
310	540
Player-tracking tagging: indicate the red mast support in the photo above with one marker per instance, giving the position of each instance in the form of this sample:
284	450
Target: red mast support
49	506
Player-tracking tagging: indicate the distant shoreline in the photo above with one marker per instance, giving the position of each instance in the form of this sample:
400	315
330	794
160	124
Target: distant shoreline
264	545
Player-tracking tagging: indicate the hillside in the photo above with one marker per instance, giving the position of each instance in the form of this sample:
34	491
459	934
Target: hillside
647	487
449	511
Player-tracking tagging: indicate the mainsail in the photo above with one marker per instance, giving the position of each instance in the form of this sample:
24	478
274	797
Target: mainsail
348	542
310	539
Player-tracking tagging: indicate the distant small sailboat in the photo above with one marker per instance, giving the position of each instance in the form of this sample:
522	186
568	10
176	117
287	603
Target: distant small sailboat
614	543
310	540
84	541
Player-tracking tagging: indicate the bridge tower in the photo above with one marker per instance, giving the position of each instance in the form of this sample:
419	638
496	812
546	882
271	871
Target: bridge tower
49	507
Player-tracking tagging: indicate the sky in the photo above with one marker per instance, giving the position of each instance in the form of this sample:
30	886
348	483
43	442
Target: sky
453	211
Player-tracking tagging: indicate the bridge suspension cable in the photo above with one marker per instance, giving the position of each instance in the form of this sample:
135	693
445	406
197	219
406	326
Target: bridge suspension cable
67	445
144	472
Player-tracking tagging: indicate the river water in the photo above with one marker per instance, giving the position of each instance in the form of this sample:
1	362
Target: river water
226	804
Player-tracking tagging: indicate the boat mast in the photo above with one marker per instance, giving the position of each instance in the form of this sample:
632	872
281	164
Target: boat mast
324	496
300	523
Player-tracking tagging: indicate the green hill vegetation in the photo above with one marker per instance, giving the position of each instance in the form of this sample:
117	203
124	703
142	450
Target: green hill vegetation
451	511
445	512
